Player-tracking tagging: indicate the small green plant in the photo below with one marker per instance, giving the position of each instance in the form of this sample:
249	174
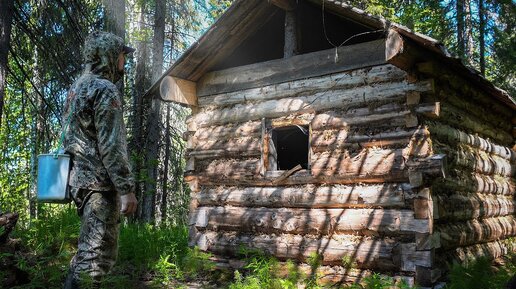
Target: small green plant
165	270
314	260
196	262
377	281
348	261
262	272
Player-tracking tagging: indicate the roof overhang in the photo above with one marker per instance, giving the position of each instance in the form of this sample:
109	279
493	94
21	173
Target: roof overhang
404	47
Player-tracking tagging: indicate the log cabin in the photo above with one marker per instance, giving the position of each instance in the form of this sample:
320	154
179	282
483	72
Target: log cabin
318	129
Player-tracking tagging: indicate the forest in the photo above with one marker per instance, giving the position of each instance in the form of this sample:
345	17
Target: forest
40	57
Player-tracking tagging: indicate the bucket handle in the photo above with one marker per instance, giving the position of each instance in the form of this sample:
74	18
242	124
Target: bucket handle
65	128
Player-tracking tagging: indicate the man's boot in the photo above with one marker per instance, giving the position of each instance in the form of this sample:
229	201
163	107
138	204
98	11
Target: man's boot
71	282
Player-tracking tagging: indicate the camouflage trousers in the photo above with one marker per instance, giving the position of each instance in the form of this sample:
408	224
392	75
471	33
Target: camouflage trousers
98	239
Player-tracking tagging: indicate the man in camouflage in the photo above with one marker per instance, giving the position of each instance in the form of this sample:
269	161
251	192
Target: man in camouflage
100	179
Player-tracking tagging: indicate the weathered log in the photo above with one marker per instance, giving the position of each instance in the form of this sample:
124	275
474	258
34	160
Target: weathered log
365	252
479	111
474	205
462	119
401	51
391	115
231	167
367	161
237	144
476	231
281	70
308	196
360	116
467	88
434	165
417	141
251	128
222	154
245	172
409	258
343	80
491	250
452	135
467	182
473	159
428	241
178	90
302	177
361	96
310	221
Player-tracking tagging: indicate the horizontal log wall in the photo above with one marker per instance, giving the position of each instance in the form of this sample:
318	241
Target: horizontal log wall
328	275
356	201
474	207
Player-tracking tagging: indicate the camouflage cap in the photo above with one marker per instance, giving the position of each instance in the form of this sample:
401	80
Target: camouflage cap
100	44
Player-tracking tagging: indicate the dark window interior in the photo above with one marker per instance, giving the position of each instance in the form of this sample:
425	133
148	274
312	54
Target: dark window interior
267	43
338	29
291	143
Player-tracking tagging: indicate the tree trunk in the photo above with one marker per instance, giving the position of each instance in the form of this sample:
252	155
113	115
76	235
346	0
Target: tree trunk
153	120
460	28
470	46
38	133
136	142
481	37
114	20
166	160
6	15
114	16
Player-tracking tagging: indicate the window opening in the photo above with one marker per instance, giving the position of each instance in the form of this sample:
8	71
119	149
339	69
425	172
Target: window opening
291	146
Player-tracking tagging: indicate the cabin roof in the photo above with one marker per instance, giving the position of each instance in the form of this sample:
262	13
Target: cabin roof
244	17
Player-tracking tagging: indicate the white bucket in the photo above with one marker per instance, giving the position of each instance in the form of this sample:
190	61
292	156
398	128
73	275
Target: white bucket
52	183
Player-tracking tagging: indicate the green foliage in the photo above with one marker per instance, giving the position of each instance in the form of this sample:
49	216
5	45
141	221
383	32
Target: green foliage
50	243
217	7
377	281
196	262
262	273
348	261
480	274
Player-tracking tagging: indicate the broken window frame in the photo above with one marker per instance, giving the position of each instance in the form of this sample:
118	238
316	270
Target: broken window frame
269	163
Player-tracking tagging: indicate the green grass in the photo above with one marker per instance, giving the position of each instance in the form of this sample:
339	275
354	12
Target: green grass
481	274
159	257
148	256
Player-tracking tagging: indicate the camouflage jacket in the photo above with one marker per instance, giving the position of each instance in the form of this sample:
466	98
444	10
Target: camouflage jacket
96	136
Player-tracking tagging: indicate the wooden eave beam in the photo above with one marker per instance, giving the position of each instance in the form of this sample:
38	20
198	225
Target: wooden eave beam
287	5
399	52
179	91
296	67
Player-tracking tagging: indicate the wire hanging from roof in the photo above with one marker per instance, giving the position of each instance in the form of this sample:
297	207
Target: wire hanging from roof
343	42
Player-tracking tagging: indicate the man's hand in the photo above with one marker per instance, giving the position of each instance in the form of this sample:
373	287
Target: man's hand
128	204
